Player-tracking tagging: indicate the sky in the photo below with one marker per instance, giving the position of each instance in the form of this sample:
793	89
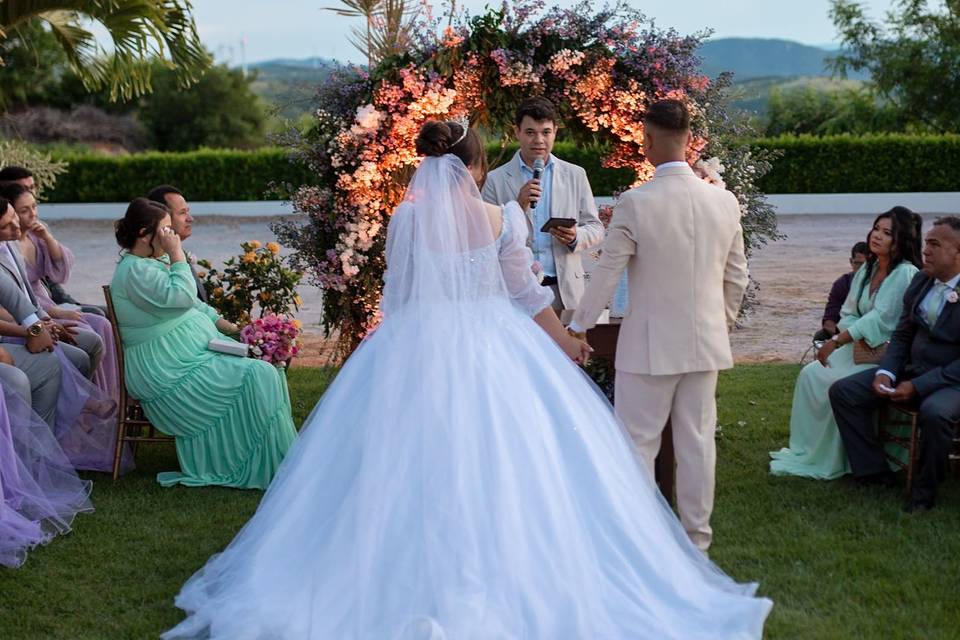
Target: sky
302	29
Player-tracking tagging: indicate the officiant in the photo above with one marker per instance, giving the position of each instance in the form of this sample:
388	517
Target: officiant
546	188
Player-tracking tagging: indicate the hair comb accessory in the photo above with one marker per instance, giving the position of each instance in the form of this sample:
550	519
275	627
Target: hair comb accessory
464	123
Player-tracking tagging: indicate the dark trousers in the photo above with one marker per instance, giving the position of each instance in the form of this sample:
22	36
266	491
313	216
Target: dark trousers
854	406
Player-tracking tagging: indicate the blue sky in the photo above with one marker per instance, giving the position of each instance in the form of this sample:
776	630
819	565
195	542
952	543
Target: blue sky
301	28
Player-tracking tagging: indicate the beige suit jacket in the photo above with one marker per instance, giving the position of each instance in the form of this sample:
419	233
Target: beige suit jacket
681	242
570	197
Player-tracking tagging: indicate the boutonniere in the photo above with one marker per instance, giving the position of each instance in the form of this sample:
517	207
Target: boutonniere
953	296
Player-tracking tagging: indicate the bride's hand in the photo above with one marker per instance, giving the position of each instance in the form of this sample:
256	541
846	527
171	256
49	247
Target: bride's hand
577	350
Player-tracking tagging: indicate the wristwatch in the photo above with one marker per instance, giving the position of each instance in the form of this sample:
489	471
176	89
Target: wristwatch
35	329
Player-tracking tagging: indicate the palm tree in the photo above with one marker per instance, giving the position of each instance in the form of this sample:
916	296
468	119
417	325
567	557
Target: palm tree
388	28
141	31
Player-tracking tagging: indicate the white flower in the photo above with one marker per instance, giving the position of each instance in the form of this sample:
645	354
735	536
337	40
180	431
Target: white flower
952	297
368	119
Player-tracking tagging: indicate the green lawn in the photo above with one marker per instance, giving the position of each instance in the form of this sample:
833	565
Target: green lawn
839	562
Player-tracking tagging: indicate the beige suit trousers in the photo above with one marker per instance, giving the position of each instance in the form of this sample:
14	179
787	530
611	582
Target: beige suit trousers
645	403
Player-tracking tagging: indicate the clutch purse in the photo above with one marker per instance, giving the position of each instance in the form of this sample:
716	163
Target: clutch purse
865	354
231	347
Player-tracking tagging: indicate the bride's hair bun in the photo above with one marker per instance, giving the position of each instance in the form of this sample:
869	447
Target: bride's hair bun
434	139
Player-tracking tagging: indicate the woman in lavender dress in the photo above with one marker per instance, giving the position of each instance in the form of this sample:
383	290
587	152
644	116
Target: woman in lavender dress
45	257
40	492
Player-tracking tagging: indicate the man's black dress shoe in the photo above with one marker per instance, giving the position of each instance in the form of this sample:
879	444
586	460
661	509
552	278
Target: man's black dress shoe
886	479
916	507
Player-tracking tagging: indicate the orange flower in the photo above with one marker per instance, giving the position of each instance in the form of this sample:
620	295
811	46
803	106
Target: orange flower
249	257
218	292
273	247
264	296
201	274
297	324
254	243
297	300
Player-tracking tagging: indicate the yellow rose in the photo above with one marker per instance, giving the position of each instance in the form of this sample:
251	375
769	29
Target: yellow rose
297	300
254	243
297	324
273	247
249	257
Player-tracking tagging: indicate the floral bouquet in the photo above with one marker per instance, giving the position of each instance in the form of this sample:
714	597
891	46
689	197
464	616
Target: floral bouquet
258	276
272	338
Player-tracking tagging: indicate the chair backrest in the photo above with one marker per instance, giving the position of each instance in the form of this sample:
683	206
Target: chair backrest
117	340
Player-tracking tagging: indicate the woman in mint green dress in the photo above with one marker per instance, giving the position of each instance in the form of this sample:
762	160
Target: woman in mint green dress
230	415
870	313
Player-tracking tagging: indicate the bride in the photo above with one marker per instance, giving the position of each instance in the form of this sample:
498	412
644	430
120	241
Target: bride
462	479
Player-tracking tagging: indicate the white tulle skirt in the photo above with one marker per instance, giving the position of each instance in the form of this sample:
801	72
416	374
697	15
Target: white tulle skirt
462	479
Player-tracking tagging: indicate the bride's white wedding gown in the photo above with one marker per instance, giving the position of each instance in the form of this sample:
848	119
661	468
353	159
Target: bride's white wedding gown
462	479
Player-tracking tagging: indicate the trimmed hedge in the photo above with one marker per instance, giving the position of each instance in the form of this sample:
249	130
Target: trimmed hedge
836	164
863	164
207	174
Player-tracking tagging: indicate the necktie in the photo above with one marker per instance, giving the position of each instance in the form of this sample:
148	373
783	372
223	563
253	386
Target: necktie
935	302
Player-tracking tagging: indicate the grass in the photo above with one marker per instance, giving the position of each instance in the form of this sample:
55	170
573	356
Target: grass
839	562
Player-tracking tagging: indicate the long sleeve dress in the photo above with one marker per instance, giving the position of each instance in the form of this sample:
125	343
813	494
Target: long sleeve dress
816	450
231	416
58	271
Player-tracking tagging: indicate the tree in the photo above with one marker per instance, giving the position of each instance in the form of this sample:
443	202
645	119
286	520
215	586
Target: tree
829	108
219	111
913	60
141	31
388	28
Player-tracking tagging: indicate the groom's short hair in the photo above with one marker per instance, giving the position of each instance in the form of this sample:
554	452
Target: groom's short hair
668	114
538	108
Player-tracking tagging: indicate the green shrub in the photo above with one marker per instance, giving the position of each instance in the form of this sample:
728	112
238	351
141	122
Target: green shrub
834	164
863	164
206	174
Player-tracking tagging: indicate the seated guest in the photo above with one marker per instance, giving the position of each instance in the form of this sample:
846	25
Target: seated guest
921	366
180	220
82	417
838	293
230	415
46	259
870	314
40	492
23	177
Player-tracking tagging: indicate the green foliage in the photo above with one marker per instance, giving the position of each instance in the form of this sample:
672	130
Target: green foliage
912	60
33	62
205	175
45	169
257	277
864	164
830	110
220	110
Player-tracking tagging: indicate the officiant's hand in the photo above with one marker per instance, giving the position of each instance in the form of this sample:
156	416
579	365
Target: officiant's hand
530	191
565	235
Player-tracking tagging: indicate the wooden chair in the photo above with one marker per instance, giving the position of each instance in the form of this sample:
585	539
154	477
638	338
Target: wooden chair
132	424
899	416
894	418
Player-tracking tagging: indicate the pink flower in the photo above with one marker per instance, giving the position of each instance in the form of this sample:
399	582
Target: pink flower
952	297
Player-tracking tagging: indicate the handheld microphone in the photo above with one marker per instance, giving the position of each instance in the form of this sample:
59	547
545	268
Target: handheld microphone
537	172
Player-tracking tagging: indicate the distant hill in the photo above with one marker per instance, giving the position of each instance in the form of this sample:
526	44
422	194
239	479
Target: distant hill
290	84
751	58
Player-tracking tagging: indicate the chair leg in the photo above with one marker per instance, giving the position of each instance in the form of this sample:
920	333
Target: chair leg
912	454
118	450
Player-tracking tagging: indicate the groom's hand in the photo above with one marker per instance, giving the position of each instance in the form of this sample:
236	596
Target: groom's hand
565	235
530	191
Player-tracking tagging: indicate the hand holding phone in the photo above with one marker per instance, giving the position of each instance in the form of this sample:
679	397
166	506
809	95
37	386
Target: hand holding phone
564	223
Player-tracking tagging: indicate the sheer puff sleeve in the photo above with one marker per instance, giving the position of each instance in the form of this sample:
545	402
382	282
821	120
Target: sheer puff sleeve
516	262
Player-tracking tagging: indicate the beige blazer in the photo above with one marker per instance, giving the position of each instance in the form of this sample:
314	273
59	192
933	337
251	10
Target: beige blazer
571	197
681	242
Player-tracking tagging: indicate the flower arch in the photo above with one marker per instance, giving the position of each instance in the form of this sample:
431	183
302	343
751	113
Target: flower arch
601	68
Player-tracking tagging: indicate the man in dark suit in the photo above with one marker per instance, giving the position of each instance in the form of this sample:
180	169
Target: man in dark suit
181	221
921	365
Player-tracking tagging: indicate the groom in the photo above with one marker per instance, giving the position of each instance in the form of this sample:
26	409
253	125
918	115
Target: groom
680	240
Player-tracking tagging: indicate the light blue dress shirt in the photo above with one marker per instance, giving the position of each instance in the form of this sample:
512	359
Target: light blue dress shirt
924	304
542	242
